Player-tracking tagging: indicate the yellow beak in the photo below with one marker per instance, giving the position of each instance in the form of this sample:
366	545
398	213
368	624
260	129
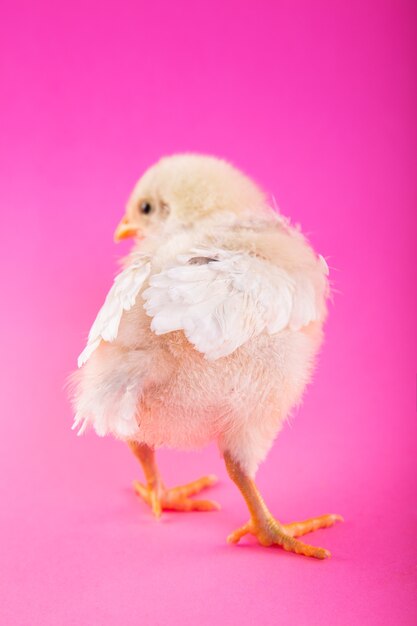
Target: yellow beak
125	229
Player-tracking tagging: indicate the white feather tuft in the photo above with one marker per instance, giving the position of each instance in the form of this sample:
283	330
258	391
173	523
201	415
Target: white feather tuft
121	297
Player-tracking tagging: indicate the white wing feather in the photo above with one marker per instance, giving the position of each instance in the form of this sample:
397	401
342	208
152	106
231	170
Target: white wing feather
120	298
227	298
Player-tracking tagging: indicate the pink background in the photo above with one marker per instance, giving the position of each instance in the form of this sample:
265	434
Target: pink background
317	101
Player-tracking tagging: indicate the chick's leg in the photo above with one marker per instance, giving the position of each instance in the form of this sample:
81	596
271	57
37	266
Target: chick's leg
265	527
158	496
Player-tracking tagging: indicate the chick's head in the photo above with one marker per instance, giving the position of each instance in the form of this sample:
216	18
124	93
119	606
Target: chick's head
183	188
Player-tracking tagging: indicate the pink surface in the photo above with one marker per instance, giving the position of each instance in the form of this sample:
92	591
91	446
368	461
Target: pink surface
315	100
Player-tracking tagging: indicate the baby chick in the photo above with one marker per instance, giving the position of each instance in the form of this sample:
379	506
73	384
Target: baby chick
208	333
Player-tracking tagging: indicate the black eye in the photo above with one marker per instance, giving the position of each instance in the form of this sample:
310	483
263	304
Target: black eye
145	207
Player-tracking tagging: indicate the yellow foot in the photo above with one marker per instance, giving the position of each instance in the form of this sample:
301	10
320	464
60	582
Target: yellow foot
269	531
178	498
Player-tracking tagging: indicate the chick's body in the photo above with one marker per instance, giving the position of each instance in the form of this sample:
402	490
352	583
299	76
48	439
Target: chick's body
219	338
185	400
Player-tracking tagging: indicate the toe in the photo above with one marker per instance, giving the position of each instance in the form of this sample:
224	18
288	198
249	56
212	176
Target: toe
292	545
141	490
188	504
150	496
237	534
296	529
195	486
155	501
